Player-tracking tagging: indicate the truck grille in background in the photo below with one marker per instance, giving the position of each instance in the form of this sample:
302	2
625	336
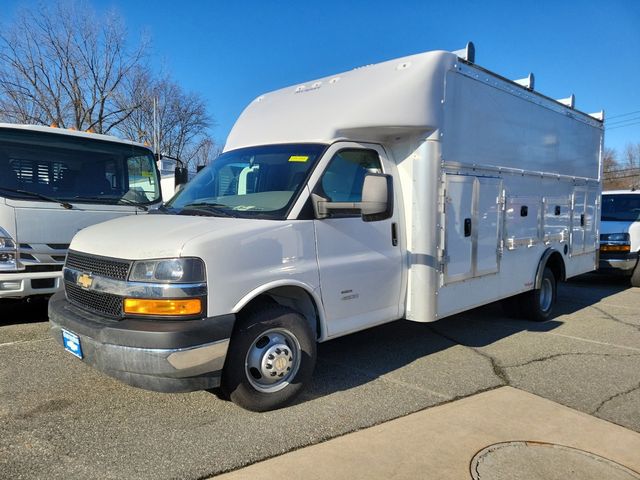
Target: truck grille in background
105	267
98	302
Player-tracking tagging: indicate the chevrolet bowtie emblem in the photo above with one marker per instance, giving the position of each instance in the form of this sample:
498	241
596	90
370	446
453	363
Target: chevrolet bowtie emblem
85	280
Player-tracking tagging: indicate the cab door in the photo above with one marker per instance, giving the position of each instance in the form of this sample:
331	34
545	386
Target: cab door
360	262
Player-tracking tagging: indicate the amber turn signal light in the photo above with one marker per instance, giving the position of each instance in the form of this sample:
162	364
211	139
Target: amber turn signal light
144	306
615	248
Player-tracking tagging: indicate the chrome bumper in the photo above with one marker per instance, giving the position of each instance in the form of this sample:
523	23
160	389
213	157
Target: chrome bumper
27	284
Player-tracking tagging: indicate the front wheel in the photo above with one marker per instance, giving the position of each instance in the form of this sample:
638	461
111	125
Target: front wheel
270	359
538	304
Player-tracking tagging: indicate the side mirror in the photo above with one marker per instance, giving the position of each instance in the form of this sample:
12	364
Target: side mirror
377	197
181	175
376	204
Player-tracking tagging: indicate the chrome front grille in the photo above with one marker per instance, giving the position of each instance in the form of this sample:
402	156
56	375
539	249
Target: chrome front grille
103	266
104	303
49	256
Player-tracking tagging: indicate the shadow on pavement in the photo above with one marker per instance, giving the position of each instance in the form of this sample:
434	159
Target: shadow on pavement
381	350
14	312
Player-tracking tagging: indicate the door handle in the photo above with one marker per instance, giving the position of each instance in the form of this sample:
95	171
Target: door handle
467	227
394	234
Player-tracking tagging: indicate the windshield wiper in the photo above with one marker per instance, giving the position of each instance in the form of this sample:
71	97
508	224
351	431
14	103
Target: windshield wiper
66	205
114	201
213	209
126	201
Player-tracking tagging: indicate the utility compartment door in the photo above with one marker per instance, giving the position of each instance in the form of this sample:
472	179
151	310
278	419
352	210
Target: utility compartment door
578	222
473	226
458	212
487	223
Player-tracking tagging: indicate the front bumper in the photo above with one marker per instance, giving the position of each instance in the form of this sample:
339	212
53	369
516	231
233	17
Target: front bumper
164	356
27	284
622	263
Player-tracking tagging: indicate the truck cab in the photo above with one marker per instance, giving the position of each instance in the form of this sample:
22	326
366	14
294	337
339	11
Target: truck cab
55	182
620	234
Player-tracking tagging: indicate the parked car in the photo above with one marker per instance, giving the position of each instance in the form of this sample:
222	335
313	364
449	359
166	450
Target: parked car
620	234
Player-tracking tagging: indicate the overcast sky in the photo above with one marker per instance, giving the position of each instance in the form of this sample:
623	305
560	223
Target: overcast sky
232	51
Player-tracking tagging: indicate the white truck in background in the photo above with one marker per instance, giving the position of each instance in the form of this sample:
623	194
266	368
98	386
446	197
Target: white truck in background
55	182
416	188
620	234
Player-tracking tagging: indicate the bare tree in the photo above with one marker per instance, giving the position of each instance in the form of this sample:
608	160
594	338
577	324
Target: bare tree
625	175
59	64
181	118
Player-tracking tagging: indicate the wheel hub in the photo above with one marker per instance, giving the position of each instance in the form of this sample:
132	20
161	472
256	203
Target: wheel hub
273	360
546	295
277	361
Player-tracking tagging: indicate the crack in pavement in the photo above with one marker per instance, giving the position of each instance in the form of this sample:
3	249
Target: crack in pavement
498	370
615	319
613	397
557	355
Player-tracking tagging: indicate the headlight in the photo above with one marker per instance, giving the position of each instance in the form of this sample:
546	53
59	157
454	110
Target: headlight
169	270
8	252
615	237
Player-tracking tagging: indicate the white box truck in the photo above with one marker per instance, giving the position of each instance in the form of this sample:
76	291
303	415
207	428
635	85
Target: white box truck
416	188
53	183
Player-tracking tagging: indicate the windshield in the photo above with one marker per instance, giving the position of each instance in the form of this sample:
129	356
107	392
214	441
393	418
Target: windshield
260	182
75	169
624	208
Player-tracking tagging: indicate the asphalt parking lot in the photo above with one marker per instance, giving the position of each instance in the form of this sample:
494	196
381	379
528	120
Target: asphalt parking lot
61	419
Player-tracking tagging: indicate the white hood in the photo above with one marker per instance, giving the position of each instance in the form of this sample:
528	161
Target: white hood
154	236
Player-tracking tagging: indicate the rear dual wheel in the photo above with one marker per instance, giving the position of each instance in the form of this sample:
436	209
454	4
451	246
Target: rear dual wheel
536	305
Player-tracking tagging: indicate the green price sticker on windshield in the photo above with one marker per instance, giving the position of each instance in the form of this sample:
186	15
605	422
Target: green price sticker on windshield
298	158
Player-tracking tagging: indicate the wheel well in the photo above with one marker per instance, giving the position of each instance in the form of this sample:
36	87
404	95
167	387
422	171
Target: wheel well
555	263
295	298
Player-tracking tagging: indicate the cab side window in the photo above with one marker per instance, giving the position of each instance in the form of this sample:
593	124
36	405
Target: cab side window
343	179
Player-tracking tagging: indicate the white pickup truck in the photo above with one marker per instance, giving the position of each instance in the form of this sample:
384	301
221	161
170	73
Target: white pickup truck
416	188
620	234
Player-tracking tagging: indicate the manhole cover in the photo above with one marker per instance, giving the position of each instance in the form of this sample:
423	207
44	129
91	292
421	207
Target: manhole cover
544	461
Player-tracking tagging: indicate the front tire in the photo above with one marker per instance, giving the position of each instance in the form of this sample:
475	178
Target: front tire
538	304
270	359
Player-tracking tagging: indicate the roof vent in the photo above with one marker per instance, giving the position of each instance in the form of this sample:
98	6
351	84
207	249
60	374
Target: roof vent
467	54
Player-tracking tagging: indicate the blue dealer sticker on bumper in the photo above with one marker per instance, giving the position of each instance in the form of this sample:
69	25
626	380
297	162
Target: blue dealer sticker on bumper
71	343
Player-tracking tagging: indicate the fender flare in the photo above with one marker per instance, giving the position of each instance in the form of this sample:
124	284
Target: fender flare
314	294
543	263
